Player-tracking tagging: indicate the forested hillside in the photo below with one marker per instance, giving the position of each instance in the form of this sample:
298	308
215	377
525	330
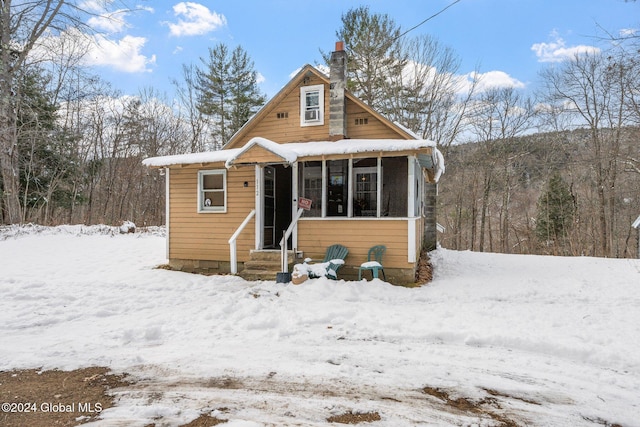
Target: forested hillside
539	194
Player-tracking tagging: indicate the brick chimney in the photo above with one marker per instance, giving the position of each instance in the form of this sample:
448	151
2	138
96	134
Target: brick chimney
337	100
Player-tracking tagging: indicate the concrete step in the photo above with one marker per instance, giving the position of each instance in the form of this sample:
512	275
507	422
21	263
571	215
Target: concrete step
262	265
250	274
269	255
265	265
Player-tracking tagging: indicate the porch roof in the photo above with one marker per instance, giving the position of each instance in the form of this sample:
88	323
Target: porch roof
292	152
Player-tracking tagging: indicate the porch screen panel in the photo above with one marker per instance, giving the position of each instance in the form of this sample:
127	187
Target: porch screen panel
394	187
337	187
310	187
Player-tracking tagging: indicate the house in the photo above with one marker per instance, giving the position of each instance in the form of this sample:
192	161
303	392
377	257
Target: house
362	180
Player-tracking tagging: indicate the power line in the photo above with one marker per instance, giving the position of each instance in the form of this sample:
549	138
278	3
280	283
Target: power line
426	20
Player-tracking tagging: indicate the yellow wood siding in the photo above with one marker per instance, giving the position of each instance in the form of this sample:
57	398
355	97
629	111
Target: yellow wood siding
257	154
288	129
374	129
204	236
314	236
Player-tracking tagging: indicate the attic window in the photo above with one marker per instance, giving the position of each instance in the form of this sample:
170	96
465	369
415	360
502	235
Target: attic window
362	121
312	105
283	115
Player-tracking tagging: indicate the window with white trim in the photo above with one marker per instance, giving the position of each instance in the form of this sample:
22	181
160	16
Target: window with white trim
312	105
212	190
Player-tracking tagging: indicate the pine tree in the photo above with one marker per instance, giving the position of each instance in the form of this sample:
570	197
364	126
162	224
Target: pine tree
229	92
45	162
375	55
556	210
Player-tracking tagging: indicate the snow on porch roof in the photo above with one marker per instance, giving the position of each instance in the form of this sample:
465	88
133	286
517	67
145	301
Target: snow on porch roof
279	150
293	151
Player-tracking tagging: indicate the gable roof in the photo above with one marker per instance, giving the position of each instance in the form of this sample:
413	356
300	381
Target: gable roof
293	84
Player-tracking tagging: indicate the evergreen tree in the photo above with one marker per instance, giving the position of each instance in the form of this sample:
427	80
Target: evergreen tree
411	81
556	209
375	55
228	90
45	161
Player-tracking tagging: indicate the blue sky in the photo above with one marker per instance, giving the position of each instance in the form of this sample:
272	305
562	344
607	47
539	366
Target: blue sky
508	40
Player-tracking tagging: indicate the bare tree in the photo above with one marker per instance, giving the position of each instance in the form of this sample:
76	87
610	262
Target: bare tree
428	96
592	87
23	24
499	115
187	98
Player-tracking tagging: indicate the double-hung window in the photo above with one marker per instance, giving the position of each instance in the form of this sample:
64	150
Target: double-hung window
312	105
212	191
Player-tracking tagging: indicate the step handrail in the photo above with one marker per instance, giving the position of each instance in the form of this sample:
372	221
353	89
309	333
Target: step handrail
232	242
283	243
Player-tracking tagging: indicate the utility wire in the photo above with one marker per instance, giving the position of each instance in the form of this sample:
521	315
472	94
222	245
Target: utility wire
426	20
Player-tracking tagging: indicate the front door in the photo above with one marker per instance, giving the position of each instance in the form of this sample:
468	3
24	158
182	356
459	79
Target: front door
269	203
276	202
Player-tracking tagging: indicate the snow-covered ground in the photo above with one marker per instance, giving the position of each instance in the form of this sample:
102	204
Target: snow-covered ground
544	341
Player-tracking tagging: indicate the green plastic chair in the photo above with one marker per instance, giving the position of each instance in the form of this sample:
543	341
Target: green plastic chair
334	258
374	262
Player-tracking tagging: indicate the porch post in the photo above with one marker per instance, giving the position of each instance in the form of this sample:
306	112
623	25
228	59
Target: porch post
350	189
379	185
294	206
411	186
258	203
324	189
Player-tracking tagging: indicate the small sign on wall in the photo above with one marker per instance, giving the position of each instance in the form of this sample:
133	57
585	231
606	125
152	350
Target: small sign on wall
304	203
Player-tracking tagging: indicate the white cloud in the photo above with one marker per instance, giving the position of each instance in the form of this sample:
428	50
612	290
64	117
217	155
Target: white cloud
493	79
628	32
92	5
557	51
123	55
195	19
488	80
93	50
112	22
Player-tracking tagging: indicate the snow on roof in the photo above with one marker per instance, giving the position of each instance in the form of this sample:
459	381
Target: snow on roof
279	150
192	158
291	152
407	130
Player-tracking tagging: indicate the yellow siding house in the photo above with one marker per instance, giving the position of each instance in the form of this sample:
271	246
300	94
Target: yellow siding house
368	182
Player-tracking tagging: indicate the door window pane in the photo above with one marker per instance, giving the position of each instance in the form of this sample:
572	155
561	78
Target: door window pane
337	187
